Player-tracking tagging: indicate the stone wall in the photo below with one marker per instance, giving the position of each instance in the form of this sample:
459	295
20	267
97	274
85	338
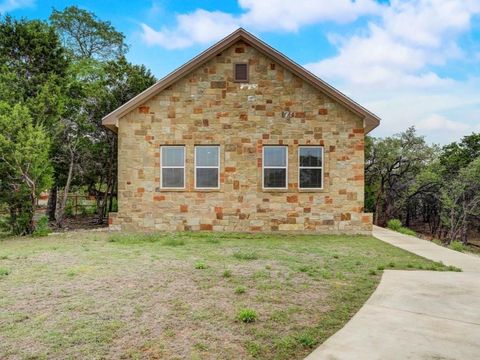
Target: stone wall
208	107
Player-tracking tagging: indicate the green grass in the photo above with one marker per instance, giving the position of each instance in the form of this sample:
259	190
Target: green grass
100	295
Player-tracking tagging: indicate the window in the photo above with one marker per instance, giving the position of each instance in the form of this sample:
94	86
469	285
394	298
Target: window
275	164
240	72
310	171
172	167
207	167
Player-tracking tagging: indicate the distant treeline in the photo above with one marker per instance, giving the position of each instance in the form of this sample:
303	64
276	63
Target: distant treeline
430	188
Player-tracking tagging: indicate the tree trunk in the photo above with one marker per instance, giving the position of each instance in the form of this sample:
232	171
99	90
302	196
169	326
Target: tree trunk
63	202
52	203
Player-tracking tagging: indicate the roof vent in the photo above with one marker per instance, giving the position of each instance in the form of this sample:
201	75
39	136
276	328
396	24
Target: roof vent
240	72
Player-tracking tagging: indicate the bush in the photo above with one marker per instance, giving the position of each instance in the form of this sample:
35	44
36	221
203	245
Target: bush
200	265
457	246
307	340
4	272
394	224
247	315
227	274
41	228
240	290
407	231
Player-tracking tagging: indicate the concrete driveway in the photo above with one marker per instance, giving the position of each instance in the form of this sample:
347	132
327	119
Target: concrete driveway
415	314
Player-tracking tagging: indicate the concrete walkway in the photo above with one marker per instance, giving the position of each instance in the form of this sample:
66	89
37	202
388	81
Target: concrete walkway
415	314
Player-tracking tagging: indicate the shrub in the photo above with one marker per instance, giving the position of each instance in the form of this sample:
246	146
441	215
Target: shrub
4	272
247	315
41	228
240	289
227	273
307	340
394	224
200	265
457	246
407	231
245	255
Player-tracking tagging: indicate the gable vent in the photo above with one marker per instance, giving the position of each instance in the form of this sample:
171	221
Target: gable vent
241	72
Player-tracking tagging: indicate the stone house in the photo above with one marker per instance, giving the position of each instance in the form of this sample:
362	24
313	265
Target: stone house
241	138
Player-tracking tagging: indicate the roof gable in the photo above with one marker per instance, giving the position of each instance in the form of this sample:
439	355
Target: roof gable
371	121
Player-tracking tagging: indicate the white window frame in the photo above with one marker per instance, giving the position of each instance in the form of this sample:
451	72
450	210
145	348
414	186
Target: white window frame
275	167
173	167
206	167
310	167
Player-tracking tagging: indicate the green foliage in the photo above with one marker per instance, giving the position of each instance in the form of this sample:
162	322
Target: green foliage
4	272
406	231
394	224
460	198
307	340
41	228
200	265
247	316
86	36
227	273
240	289
32	56
457	246
25	168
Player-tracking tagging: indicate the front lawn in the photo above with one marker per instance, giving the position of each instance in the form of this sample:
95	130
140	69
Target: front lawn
189	295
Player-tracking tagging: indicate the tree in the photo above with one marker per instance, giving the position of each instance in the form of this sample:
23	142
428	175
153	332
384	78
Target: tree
121	82
86	36
391	167
25	168
461	200
33	64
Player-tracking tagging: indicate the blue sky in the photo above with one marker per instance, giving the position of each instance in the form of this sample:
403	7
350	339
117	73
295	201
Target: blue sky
412	62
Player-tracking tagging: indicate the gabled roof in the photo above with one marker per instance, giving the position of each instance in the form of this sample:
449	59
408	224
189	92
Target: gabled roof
371	121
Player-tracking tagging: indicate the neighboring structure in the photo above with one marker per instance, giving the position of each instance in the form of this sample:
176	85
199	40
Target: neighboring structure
241	139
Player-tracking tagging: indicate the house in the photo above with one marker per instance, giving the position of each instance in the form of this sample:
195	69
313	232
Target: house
241	138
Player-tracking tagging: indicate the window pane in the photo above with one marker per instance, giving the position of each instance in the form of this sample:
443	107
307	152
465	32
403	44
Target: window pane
311	156
310	178
207	178
206	156
275	156
172	177
173	156
274	178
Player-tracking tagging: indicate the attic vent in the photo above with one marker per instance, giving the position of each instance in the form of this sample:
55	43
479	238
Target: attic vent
241	72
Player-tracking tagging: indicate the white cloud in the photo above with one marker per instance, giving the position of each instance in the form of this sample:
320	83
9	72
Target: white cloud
200	27
442	123
398	50
290	15
203	27
10	5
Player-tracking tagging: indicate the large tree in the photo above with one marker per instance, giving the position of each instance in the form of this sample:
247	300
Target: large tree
25	168
99	80
86	36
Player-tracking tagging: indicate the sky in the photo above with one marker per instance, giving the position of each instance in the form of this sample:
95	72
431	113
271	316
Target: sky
411	62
